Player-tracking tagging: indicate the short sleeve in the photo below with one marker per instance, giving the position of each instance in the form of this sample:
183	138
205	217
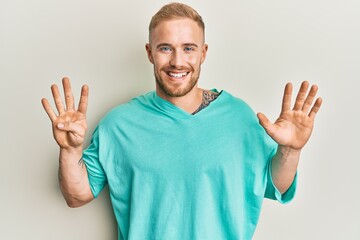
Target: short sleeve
273	193
91	156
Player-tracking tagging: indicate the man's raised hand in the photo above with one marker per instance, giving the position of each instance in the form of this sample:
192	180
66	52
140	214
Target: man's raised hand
69	124
294	126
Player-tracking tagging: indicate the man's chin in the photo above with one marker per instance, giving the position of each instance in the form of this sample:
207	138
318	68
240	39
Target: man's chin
175	89
174	92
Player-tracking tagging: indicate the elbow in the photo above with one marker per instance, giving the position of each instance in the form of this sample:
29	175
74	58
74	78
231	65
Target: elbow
75	202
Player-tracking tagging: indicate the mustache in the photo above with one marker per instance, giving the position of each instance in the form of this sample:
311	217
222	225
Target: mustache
178	68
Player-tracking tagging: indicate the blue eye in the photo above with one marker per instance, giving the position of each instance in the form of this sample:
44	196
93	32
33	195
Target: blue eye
165	49
188	49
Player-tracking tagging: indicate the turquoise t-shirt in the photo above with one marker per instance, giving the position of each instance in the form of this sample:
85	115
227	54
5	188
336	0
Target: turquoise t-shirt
173	175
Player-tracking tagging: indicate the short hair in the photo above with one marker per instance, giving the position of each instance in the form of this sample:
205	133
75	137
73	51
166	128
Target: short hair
173	11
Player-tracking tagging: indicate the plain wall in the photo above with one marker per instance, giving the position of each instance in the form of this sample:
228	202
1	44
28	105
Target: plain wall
255	47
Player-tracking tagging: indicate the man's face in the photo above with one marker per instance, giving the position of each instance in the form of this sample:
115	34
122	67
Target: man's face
176	50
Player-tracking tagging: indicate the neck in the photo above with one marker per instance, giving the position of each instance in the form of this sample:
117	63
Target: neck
189	102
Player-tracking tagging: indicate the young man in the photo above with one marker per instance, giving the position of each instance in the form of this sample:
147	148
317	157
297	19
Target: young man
182	162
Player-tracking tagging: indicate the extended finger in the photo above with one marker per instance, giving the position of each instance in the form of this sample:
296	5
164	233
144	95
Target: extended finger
310	98
266	124
69	98
83	99
300	98
50	112
57	98
286	103
315	108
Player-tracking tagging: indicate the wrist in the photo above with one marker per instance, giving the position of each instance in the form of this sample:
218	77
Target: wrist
71	153
285	150
286	154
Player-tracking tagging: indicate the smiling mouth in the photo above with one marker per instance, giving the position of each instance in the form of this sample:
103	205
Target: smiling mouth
177	75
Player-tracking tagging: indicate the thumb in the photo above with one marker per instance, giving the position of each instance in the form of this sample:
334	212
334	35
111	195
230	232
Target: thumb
70	127
266	124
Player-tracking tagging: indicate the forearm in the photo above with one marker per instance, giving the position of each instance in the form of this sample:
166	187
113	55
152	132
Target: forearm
284	167
73	178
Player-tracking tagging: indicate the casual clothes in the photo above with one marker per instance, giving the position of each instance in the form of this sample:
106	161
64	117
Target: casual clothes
175	175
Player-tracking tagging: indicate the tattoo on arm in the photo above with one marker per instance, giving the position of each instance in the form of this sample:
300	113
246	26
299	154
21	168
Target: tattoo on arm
60	176
81	162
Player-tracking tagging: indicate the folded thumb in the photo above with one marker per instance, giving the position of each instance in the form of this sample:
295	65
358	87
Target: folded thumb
69	127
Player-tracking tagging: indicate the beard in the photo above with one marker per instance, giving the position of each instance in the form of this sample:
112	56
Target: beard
177	90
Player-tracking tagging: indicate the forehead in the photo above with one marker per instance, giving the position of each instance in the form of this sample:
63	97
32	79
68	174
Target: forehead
177	31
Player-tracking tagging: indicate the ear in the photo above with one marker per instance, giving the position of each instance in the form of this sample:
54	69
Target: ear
204	52
149	53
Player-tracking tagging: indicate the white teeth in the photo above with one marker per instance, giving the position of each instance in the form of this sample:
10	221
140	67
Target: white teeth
177	75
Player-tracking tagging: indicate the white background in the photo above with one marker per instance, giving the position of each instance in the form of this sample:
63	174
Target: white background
255	47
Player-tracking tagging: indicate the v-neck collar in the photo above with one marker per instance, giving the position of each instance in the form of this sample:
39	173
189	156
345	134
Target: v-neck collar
178	112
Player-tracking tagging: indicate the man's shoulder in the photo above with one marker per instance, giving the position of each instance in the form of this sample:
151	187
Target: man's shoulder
233	101
130	109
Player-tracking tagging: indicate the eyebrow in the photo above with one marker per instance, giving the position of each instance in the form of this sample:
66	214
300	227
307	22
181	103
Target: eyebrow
190	45
168	44
163	45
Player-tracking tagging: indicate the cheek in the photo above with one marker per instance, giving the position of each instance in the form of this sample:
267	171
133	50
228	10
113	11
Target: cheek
192	59
160	60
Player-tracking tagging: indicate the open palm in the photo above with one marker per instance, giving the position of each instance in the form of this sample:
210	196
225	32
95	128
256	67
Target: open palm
69	125
294	126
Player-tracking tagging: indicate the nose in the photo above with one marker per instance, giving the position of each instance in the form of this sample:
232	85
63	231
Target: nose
177	59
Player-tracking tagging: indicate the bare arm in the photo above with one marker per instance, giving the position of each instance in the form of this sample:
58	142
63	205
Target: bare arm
69	128
291	131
